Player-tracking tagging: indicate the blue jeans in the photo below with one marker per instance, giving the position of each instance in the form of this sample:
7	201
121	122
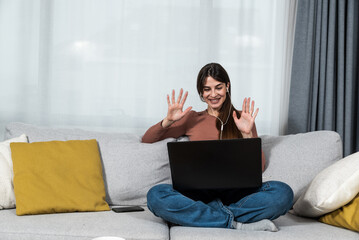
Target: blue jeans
270	201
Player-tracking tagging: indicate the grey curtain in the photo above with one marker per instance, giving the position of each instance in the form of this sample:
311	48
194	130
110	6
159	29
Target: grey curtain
324	82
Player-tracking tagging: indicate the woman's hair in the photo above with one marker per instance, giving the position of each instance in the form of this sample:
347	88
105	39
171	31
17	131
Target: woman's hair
217	72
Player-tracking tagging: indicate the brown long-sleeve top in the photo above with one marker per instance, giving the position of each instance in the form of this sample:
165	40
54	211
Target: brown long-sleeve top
196	125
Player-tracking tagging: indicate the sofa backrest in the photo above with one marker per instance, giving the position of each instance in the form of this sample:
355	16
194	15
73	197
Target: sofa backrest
131	168
297	159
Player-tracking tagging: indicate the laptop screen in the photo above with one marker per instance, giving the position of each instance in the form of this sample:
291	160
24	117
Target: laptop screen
216	164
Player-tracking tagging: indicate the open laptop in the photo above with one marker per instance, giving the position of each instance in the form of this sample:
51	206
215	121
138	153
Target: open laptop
216	164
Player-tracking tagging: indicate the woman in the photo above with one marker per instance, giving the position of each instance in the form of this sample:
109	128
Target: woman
237	209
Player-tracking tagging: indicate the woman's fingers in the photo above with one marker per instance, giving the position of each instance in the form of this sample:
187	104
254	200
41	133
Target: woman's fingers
234	115
173	96
180	96
248	107
244	105
255	114
184	98
252	108
179	101
248	104
168	100
187	110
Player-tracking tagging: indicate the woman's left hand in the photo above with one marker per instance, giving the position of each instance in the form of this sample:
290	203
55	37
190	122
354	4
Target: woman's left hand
246	121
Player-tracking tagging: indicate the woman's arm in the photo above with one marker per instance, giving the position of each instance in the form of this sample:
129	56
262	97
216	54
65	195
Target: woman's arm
157	132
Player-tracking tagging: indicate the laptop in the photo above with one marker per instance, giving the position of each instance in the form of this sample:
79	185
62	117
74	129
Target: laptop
216	164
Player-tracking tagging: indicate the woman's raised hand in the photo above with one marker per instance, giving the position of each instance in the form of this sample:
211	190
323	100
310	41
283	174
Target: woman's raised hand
246	121
175	108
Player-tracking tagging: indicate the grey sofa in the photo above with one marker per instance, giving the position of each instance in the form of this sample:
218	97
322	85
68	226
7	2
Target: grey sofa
131	168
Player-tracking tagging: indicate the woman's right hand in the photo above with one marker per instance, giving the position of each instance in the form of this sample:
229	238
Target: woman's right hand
175	111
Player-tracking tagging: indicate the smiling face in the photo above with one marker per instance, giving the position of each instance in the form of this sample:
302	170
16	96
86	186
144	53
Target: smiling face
214	94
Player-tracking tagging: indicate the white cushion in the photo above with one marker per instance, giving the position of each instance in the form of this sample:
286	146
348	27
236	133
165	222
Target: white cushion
7	197
331	189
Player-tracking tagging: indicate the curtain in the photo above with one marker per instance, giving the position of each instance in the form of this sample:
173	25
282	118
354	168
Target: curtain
108	64
324	85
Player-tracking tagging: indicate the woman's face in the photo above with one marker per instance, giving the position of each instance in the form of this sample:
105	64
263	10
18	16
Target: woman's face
214	93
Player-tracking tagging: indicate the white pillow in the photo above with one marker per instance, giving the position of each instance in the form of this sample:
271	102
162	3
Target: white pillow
7	197
331	189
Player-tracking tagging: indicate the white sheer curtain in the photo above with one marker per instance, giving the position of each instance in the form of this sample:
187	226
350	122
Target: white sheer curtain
108	64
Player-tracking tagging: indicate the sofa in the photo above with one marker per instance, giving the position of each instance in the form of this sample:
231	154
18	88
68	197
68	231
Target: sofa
131	168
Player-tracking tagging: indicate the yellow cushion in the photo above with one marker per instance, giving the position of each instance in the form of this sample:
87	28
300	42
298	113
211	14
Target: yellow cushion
58	176
346	216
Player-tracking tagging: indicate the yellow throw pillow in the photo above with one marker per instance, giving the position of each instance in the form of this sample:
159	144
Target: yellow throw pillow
346	216
58	176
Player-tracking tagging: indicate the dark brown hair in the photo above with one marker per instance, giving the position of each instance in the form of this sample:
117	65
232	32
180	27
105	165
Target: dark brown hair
217	72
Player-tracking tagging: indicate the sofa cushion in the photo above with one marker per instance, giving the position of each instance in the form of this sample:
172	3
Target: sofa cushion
290	227
7	196
297	159
331	189
58	176
82	225
130	167
346	216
